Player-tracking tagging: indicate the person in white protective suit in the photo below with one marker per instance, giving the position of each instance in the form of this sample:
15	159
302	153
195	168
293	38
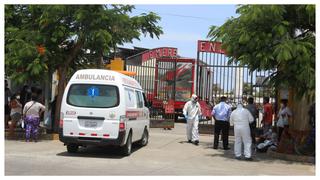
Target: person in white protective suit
192	111
241	118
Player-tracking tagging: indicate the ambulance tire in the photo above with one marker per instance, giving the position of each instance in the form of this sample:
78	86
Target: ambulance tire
72	148
145	138
127	148
176	118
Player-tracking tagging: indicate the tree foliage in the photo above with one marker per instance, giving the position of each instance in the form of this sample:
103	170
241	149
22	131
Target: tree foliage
67	32
43	38
273	37
247	88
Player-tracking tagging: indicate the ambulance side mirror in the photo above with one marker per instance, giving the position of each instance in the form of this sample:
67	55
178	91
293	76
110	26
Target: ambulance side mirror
147	104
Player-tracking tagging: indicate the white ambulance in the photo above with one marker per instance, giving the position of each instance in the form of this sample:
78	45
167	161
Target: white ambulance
103	107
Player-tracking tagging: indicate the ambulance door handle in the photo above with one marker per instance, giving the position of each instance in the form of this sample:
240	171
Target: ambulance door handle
132	119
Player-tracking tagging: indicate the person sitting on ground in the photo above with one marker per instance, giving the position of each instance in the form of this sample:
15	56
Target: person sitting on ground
268	139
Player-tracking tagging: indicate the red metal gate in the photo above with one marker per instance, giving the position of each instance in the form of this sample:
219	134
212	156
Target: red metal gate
157	77
179	81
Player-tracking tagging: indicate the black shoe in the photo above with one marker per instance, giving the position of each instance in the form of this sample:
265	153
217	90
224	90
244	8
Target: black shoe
196	142
215	147
227	148
248	159
238	158
189	141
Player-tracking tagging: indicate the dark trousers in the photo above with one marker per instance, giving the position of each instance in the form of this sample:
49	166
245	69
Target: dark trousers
253	131
280	130
218	127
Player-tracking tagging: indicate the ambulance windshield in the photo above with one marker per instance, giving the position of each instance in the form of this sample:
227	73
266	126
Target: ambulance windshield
93	96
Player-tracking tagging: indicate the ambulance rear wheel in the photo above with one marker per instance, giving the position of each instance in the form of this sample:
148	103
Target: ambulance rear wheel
145	138
72	148
126	149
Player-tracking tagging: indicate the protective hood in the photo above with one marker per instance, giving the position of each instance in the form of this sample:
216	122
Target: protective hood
239	106
194	98
241	116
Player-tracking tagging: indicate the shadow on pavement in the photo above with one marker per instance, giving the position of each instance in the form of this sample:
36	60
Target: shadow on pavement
184	142
109	152
229	154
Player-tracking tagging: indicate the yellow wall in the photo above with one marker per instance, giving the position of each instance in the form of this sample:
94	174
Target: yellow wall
116	64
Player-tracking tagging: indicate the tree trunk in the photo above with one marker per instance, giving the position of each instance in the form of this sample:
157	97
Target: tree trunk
99	62
62	70
300	109
62	80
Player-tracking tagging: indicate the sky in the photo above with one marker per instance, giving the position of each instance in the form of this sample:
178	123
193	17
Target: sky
183	25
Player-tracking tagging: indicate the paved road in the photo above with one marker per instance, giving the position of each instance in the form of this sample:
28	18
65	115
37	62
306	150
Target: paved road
166	154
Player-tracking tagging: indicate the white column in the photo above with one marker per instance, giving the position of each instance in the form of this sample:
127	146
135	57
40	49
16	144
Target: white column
239	84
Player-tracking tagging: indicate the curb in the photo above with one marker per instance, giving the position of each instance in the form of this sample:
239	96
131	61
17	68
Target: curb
291	157
21	136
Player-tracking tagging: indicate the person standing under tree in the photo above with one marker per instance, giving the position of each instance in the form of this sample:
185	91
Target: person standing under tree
241	118
7	94
31	112
221	113
255	114
283	117
15	114
267	115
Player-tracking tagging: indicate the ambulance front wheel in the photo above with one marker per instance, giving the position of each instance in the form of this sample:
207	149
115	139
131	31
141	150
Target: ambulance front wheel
72	148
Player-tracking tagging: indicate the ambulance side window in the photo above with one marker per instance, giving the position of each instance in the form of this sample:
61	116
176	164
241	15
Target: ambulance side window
130	98
139	99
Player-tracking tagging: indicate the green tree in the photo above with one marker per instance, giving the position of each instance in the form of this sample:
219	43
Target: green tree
216	89
42	38
273	37
247	88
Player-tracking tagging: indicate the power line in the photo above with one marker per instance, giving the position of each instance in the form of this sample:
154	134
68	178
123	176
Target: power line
180	15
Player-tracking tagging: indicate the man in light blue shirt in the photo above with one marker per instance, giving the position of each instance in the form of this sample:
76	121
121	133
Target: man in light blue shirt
221	113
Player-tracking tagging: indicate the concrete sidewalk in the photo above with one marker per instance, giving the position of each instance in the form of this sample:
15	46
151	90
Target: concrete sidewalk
167	153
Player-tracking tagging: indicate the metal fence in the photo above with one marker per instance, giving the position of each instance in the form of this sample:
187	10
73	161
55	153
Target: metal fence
157	78
234	81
